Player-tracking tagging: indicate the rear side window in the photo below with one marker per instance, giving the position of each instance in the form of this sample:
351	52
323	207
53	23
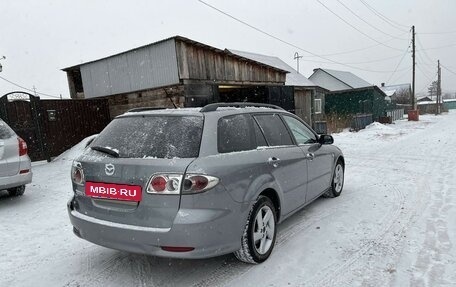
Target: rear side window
5	131
153	136
274	130
238	133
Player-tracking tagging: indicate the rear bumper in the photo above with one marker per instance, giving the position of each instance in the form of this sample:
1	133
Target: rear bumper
15	180
211	232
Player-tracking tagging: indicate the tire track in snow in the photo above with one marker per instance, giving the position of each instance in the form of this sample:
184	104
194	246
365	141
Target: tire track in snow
328	276
93	277
429	267
390	234
234	269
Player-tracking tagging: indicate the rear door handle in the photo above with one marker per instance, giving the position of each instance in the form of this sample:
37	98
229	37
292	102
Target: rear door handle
274	161
310	156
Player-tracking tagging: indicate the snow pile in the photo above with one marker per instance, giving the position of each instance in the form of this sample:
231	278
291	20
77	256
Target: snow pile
378	130
378	126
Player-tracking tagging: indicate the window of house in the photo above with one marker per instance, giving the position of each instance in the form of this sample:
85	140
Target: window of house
317	106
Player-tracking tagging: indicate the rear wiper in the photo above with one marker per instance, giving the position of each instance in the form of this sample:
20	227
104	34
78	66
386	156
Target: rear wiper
106	150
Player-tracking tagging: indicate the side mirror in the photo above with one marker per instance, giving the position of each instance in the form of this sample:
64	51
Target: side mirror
325	139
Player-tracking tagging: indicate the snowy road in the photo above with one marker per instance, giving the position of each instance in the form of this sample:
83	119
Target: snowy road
392	226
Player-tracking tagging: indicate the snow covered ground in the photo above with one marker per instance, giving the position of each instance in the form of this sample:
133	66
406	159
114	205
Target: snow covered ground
393	225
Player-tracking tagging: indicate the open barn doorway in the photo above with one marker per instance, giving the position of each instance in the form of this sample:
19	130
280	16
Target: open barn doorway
282	96
254	94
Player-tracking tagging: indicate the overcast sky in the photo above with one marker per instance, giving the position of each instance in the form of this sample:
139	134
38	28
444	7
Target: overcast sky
39	38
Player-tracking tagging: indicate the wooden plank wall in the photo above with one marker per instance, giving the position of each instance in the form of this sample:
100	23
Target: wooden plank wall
201	63
303	105
119	104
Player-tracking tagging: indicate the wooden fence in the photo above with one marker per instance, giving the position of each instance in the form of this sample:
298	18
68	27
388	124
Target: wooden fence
396	114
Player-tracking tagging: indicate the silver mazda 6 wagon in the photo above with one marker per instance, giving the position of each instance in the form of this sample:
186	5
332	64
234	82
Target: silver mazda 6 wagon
200	182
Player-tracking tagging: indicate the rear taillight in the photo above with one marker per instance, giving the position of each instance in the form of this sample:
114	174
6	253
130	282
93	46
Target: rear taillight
77	174
22	147
195	183
174	183
165	184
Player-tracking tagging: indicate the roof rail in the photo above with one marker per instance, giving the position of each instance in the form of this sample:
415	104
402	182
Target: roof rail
143	109
215	106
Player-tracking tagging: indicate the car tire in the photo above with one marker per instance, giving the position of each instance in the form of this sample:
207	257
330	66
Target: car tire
260	232
17	191
337	181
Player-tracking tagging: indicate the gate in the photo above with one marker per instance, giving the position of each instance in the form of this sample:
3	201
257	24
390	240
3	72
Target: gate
21	111
50	127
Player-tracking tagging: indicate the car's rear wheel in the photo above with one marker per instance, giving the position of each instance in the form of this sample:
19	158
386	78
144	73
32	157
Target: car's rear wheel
259	233
17	191
337	183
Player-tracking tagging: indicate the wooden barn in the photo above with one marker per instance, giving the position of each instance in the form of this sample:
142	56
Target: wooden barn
178	72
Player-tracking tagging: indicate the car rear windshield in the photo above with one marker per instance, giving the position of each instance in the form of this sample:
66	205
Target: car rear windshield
5	131
152	136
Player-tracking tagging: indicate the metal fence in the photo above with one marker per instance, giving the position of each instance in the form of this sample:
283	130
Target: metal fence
360	121
52	126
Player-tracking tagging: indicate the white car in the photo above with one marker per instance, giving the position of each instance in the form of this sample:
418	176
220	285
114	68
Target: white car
15	165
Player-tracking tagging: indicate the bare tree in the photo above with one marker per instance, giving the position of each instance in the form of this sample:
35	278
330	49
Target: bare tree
402	97
432	90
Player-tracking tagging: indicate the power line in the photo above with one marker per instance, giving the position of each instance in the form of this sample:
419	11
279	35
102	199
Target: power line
426	85
398	64
422	63
383	17
357	50
401	75
357	63
423	50
437	33
286	42
439	47
423	72
30	90
354	27
447	69
369	24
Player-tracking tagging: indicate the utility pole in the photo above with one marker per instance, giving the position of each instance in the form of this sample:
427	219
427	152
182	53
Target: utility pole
439	88
297	57
413	72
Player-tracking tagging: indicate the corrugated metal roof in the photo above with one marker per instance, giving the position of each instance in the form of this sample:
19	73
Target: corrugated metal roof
144	68
293	78
347	77
183	39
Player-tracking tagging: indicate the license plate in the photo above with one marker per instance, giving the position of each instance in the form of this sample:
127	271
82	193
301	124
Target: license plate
113	191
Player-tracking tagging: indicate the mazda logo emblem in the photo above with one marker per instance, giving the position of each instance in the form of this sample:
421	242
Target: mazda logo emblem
109	169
